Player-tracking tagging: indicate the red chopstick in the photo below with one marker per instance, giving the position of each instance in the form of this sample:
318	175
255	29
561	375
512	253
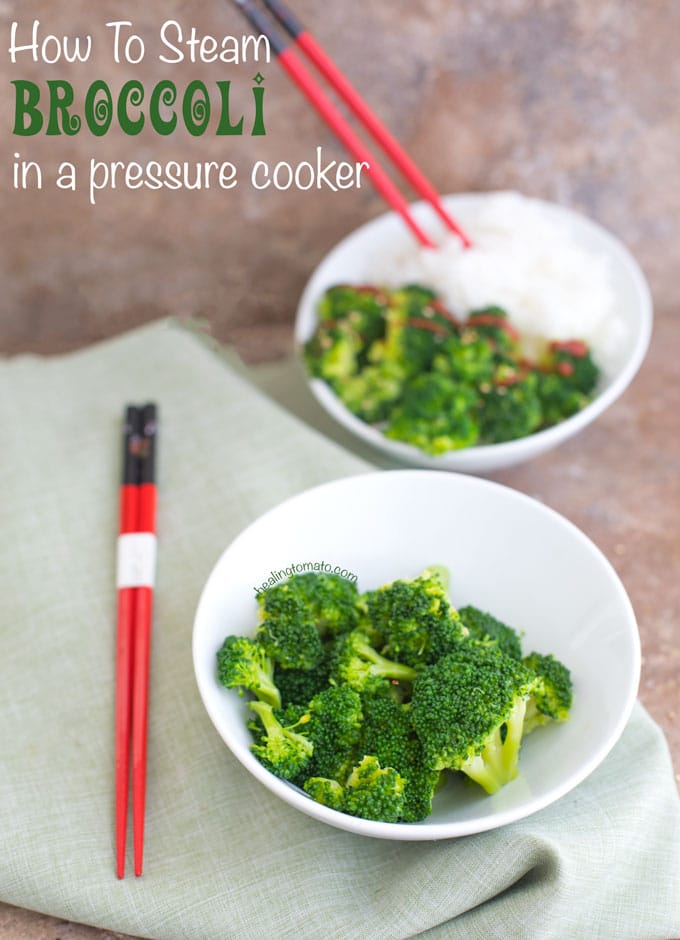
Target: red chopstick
135	579
304	40
328	111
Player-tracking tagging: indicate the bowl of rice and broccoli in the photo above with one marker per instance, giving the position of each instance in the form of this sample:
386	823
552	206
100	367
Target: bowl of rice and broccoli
460	680
474	358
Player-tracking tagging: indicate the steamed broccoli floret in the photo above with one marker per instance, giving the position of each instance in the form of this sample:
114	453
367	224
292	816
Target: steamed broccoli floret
326	791
416	326
372	393
414	619
299	686
573	361
559	400
493	325
371	792
333	352
282	749
374	792
551	697
482	626
361	307
359	665
298	613
510	411
242	664
388	734
334	728
468	711
466	357
435	414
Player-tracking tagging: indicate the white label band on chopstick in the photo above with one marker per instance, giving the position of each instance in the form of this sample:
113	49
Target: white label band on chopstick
136	565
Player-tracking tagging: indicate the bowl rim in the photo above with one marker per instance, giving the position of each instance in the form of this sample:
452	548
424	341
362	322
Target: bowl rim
504	453
422	831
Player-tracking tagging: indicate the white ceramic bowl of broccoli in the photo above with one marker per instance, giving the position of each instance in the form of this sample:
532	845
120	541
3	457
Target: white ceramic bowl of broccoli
559	276
507	554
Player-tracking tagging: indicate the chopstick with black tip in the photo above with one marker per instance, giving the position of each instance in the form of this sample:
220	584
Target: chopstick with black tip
328	111
146	532
306	42
128	516
136	563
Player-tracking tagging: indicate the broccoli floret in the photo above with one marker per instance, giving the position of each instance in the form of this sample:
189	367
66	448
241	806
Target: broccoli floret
414	619
358	664
326	791
371	792
299	686
243	664
374	792
361	307
297	614
572	360
492	324
551	697
416	326
282	749
372	393
468	711
334	728
559	400
435	414
466	357
510	411
333	352
388	734
482	626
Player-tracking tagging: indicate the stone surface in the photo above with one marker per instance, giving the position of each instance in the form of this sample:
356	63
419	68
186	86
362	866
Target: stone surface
569	100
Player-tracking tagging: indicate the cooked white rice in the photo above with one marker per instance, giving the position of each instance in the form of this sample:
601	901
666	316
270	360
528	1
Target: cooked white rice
525	261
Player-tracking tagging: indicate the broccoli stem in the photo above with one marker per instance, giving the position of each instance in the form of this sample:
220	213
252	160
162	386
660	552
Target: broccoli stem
380	666
497	763
266	691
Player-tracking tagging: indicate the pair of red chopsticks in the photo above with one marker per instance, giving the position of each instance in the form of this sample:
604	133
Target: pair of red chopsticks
135	579
305	42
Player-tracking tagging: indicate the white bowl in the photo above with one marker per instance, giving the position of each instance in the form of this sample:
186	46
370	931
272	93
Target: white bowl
507	554
357	257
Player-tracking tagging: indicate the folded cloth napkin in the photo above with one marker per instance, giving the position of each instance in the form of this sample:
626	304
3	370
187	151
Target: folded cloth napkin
225	859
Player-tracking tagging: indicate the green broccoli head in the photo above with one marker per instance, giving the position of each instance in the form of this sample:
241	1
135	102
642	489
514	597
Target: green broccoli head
326	791
416	326
467	358
388	734
493	325
414	619
371	792
559	399
281	749
482	626
372	393
334	728
361	307
333	352
356	663
299	686
243	664
287	629
510	409
298	613
374	792
468	711
572	360
551	697
435	414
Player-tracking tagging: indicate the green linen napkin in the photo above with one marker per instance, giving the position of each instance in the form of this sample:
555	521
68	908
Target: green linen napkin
225	859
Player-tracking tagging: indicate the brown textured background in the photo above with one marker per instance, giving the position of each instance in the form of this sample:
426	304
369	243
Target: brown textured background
570	100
